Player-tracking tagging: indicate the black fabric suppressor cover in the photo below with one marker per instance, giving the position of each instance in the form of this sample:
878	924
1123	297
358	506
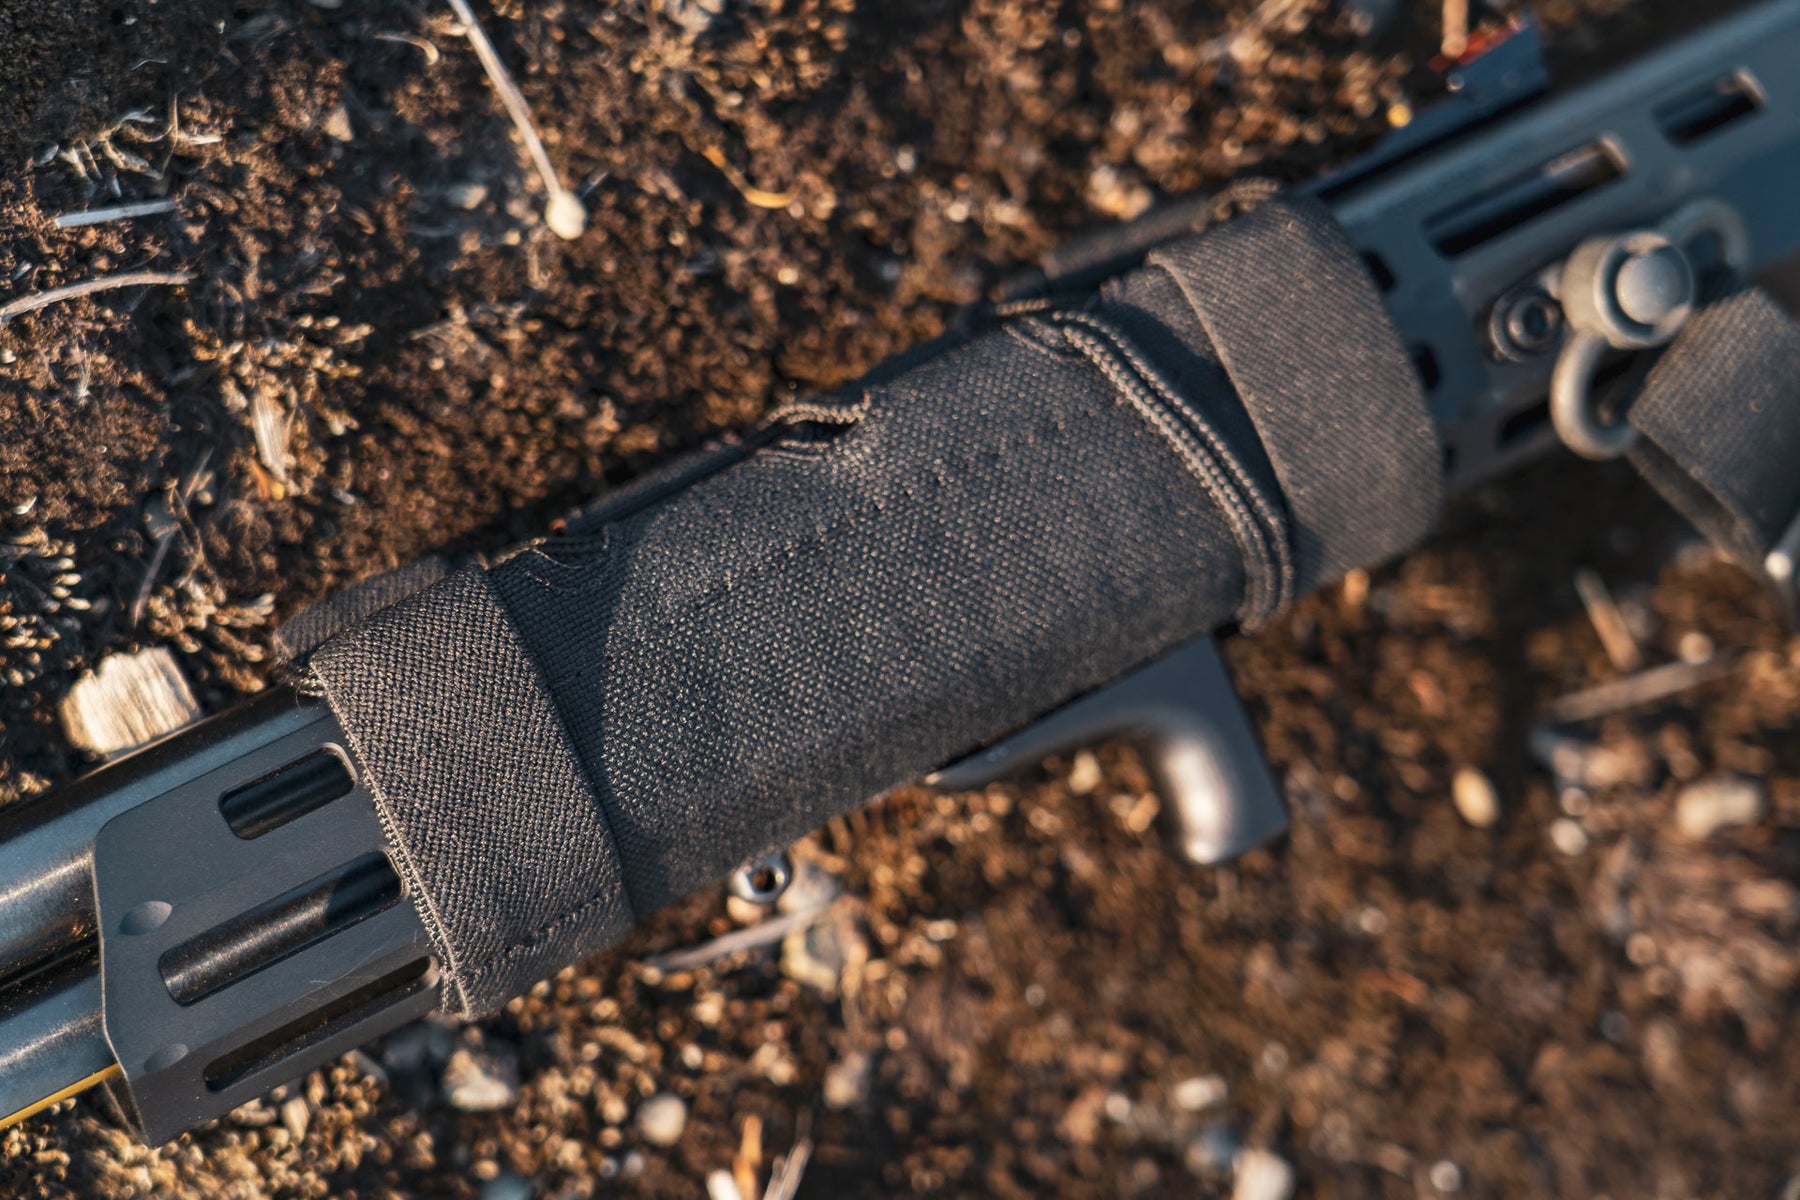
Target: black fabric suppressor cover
889	577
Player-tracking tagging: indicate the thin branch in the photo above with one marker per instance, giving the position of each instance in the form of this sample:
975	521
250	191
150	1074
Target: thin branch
71	291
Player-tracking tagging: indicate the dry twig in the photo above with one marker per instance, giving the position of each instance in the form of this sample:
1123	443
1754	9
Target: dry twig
71	291
1456	29
1646	687
1609	623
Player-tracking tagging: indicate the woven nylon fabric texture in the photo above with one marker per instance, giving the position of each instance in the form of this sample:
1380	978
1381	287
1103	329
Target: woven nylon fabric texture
1298	325
828	620
311	626
803	626
1720	419
484	802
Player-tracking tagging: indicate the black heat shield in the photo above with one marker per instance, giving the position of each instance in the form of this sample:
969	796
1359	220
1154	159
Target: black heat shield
250	925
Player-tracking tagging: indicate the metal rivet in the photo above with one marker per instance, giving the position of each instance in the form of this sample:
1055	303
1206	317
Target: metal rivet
763	881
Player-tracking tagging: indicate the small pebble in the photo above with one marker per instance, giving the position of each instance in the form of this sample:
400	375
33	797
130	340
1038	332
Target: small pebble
296	1115
1710	805
662	1119
466	196
1116	195
1084	774
818	954
337	125
694	16
1446	1176
1200	1093
480	1081
721	1186
1568	837
846	1083
1475	797
127	701
1262	1175
1694	647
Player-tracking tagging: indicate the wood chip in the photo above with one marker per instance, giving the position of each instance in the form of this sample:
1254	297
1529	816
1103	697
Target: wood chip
128	701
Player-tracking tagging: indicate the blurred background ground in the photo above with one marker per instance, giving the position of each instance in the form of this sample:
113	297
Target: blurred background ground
1558	983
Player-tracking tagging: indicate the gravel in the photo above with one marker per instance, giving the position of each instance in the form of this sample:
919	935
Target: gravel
1475	797
1704	808
662	1119
481	1080
1262	1175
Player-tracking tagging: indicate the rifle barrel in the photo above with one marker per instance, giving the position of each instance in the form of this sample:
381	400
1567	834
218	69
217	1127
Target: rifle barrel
51	1041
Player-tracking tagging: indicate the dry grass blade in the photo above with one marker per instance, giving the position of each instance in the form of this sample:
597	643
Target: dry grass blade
118	212
1609	623
270	426
784	1181
564	213
763	933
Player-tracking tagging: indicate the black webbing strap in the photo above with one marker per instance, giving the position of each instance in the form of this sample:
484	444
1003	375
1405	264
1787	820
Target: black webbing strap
1313	359
601	724
481	794
307	629
1720	422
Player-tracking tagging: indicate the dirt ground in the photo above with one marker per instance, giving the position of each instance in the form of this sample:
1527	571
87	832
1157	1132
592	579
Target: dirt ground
1018	992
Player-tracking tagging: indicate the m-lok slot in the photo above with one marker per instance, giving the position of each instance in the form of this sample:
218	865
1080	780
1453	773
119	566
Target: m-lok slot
1707	110
321	1024
1557	182
287	794
279	928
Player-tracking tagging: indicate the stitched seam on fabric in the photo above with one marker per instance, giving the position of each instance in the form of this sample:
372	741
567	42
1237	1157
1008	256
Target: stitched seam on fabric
1274	524
538	936
420	895
1272	537
1251	537
1053	430
846	522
